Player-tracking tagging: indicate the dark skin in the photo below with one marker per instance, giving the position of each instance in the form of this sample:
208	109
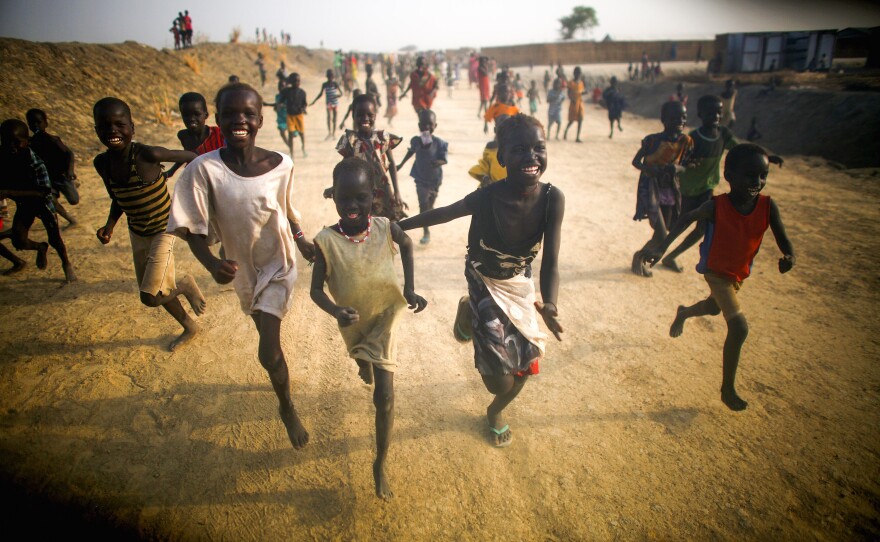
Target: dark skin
577	77
710	115
483	71
519	208
39	122
355	94
331	114
353	196
194	115
427	123
674	120
421	69
747	178
294	82
115	129
239	116
18	146
505	95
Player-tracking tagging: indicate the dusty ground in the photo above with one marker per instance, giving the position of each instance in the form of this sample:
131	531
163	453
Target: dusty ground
622	436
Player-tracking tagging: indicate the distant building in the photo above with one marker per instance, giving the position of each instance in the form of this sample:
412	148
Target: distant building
766	51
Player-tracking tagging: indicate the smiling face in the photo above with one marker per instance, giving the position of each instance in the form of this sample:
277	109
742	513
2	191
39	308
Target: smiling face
239	117
194	115
748	176
114	127
523	152
353	196
364	117
710	113
674	117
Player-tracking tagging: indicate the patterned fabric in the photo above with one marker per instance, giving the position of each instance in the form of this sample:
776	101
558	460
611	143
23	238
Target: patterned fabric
662	189
375	151
331	93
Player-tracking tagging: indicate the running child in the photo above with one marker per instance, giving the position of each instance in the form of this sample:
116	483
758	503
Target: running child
392	87
242	194
735	226
483	84
554	107
198	137
375	147
25	180
576	89
661	159
488	170
427	171
355	257
615	102
280	107
58	159
330	89
134	179
502	106
534	98
296	105
509	221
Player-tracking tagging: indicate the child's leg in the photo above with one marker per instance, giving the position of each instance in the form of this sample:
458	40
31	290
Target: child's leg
692	239
706	307
737	331
580	124
63	212
611	134
383	399
505	388
49	221
272	359
17	263
25	214
302	140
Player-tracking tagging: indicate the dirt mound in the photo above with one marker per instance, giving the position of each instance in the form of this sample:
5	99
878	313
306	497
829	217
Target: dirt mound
66	79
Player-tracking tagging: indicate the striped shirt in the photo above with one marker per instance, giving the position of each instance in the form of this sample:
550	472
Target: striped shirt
146	205
331	92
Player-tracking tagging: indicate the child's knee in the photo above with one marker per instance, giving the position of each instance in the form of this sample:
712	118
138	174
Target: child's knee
383	400
738	327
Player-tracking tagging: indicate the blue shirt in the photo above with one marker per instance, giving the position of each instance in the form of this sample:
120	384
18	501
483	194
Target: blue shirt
423	170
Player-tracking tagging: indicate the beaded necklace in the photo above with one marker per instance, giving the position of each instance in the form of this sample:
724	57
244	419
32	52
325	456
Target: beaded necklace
367	236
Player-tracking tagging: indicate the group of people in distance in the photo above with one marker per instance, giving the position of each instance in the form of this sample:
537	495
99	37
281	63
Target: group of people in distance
182	29
233	205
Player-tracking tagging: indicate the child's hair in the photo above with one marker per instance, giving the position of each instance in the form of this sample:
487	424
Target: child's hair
427	114
353	164
110	101
363	98
669	107
292	77
192	97
707	100
32	115
514	122
233	79
8	128
737	154
329	72
234	87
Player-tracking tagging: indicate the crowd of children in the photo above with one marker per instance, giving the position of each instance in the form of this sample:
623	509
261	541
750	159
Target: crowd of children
239	195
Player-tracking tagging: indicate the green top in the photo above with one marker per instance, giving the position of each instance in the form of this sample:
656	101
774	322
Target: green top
704	173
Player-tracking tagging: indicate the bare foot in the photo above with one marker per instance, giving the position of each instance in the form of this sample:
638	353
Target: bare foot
71	224
365	371
733	401
678	324
671	263
383	489
16	267
190	330
297	434
499	432
69	275
42	262
638	266
190	290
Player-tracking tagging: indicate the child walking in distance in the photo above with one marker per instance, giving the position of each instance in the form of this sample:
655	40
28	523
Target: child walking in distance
375	147
615	102
25	180
58	159
700	178
242	194
576	89
134	179
488	170
554	107
330	89
735	226
509	221
427	171
534	98
660	159
355	257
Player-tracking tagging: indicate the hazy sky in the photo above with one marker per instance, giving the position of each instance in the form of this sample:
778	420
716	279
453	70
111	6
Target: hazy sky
391	24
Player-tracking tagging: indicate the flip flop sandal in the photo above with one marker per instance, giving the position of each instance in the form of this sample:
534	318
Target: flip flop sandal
498	433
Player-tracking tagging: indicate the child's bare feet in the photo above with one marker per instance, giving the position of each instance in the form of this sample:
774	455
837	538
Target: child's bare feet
190	289
69	275
638	266
732	400
499	431
383	489
190	330
677	326
16	267
671	263
42	261
297	434
365	371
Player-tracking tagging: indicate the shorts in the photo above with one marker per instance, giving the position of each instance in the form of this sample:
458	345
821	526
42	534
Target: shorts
533	106
295	123
554	116
723	291
332	107
154	262
427	196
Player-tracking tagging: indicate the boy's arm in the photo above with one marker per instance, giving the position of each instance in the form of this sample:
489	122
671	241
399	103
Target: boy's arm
223	271
71	160
550	264
787	261
403	241
345	316
306	247
703	212
392	172
409	84
440	159
161	154
105	232
318	96
347	113
440	215
409	152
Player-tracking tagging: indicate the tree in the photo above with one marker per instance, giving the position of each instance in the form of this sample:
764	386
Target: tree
582	19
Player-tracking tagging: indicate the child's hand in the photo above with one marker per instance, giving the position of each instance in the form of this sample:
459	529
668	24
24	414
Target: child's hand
786	263
346	316
342	126
776	159
224	271
328	193
104	233
651	256
415	301
551	318
306	248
